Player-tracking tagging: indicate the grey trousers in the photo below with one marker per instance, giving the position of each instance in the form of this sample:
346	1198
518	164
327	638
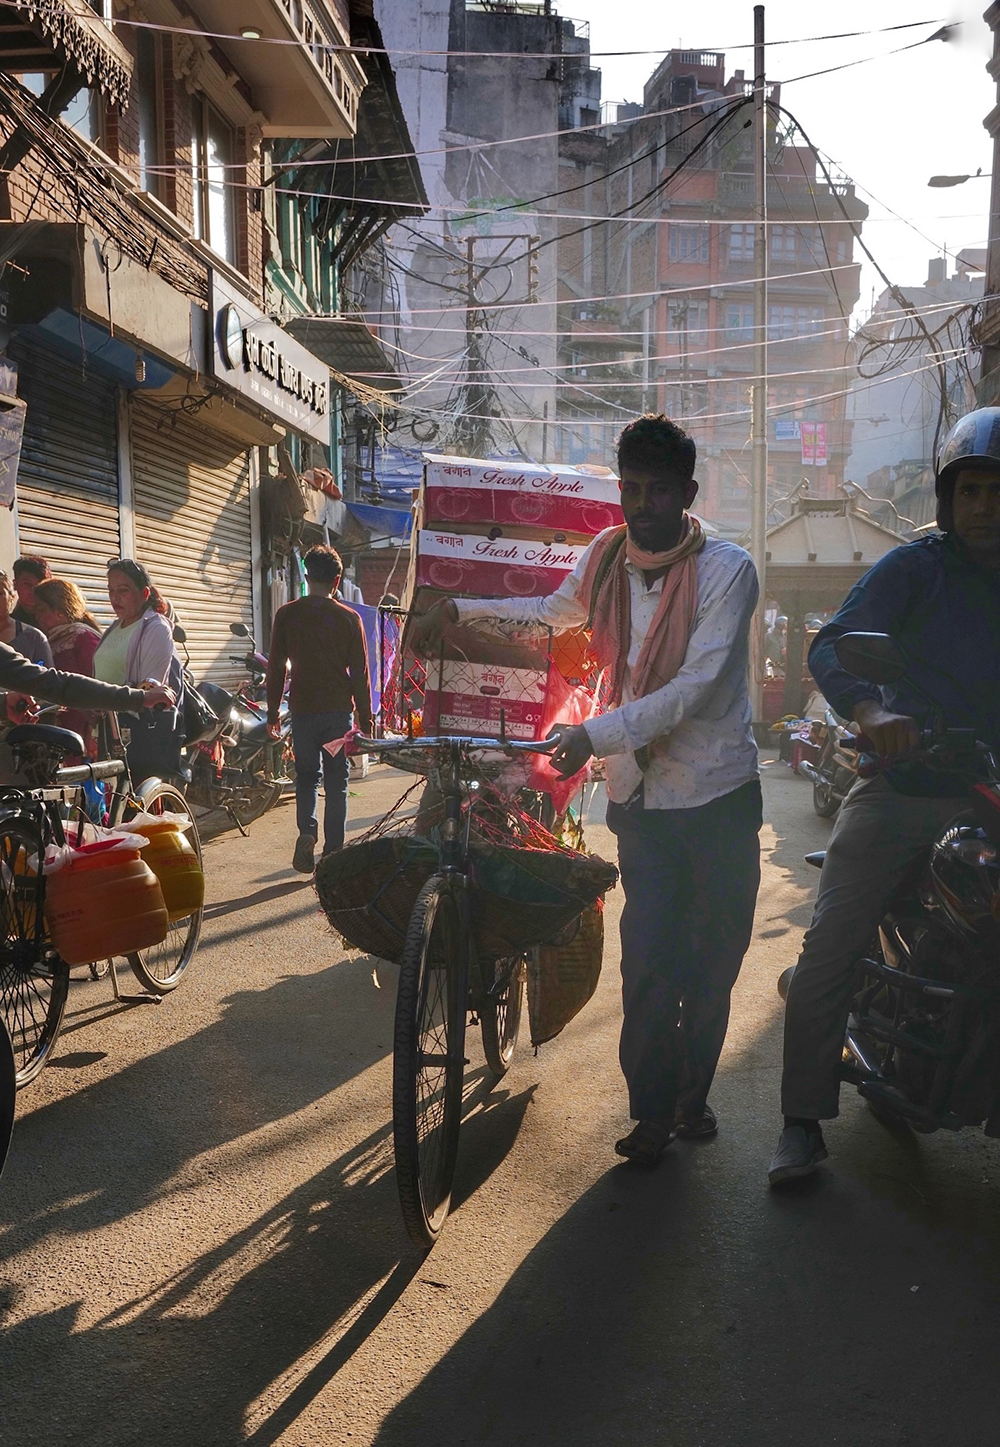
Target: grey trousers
878	835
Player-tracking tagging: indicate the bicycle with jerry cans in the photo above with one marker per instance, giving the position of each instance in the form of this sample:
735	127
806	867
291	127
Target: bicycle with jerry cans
49	807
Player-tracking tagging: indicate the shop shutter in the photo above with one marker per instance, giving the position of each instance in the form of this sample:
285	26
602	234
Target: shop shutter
191	494
67	486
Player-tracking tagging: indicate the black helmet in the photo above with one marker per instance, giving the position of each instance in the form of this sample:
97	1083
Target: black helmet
974	441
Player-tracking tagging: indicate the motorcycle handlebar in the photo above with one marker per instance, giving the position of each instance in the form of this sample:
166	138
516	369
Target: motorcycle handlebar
933	743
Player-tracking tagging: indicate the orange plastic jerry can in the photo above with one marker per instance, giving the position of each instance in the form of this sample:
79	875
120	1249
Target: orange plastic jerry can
104	901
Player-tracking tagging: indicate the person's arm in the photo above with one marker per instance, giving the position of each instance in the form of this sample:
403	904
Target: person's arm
71	690
721	629
874	605
357	669
277	663
564	609
155	651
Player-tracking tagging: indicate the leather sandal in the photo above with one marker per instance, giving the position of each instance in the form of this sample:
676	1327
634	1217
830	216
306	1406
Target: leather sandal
646	1142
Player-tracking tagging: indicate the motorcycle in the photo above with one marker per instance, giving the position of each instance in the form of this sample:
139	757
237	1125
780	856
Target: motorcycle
923	1038
231	762
835	772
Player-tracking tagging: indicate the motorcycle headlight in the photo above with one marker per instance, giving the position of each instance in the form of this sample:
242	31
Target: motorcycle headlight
974	851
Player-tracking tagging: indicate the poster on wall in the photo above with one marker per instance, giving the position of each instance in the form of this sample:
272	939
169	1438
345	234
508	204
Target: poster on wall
813	435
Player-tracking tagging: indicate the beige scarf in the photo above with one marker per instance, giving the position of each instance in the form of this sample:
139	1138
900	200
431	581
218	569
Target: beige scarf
605	583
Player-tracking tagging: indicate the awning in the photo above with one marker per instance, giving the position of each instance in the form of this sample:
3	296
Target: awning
381	522
353	355
79	37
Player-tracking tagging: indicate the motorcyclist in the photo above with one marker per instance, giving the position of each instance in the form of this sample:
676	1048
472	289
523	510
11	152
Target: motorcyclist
939	598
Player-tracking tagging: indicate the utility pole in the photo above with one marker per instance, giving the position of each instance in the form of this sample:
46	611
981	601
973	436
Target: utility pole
758	504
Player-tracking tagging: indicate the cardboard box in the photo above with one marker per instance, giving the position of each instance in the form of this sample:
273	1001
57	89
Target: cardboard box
482	567
463	491
467	698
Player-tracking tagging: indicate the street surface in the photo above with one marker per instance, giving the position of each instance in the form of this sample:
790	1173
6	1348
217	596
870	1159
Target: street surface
202	1245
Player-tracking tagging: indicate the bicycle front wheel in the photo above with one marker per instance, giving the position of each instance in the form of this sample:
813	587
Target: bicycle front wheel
160	969
34	981
428	1059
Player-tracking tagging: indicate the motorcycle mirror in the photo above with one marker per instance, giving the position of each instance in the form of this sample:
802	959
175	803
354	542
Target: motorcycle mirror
179	635
239	630
875	657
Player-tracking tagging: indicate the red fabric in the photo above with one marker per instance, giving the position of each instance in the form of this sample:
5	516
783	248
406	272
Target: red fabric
73	649
564	704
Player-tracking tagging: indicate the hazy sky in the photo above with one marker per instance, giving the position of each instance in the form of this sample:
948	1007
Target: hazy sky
890	123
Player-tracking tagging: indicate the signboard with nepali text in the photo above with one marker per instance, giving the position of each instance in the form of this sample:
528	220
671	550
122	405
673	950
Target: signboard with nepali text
813	435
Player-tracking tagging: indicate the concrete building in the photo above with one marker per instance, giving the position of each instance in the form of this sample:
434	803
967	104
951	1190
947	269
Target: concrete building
914	379
151	396
677	328
477	276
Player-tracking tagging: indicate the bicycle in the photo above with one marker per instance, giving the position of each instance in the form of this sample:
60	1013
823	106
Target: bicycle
34	980
440	978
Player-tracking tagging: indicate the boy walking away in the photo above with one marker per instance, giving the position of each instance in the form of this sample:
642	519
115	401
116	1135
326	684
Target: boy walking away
325	645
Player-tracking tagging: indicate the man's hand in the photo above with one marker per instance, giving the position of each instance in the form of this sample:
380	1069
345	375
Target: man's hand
573	751
157	695
274	730
21	708
892	734
427	628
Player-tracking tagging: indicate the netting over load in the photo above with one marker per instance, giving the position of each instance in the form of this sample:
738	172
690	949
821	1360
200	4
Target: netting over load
527	885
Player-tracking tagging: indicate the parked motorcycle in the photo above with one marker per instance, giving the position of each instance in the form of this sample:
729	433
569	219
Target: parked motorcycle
231	762
923	1038
835	772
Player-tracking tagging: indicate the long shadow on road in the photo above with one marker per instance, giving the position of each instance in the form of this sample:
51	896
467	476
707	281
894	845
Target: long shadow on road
691	1307
233	1347
94	1157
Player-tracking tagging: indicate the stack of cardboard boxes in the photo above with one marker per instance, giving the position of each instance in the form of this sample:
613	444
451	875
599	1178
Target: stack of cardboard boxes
497	530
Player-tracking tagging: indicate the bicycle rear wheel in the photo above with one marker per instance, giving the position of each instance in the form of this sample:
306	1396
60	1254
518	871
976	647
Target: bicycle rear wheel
500	1013
160	969
34	981
428	1059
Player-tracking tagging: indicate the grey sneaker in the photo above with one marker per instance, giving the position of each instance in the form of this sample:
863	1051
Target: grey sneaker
798	1154
302	859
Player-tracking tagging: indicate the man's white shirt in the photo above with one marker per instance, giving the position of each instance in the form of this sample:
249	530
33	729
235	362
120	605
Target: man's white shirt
702	716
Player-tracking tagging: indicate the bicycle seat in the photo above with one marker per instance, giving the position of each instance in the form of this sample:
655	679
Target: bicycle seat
60	741
816	859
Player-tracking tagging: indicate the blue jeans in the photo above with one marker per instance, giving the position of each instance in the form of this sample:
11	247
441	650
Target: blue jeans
690	878
310	731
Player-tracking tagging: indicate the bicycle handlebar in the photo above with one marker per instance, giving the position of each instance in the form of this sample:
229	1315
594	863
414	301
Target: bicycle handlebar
466	741
83	773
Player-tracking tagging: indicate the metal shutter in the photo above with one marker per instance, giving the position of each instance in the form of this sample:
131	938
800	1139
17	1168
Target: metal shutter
191	496
67	487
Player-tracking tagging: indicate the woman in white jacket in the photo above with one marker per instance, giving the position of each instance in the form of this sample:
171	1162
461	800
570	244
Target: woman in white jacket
136	651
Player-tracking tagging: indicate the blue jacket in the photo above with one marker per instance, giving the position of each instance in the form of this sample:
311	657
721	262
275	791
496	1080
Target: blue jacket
944	613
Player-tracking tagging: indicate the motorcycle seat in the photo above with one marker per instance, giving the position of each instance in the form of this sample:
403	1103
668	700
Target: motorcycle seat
816	858
60	741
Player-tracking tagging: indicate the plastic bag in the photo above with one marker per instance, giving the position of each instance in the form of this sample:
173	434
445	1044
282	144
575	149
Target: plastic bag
58	856
135	826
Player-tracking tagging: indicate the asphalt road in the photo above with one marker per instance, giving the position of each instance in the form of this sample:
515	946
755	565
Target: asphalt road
201	1241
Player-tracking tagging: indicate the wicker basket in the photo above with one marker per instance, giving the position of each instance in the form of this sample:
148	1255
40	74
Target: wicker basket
368	890
519	897
524	897
562	978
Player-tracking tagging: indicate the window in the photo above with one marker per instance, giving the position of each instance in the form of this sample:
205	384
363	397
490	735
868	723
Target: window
813	249
787	323
689	243
688	324
739	322
741	242
783	243
149	92
213	153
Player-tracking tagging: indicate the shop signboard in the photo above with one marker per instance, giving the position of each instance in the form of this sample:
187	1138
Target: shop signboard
260	360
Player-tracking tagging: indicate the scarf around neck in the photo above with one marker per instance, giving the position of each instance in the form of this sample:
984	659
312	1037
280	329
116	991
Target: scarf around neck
606	583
